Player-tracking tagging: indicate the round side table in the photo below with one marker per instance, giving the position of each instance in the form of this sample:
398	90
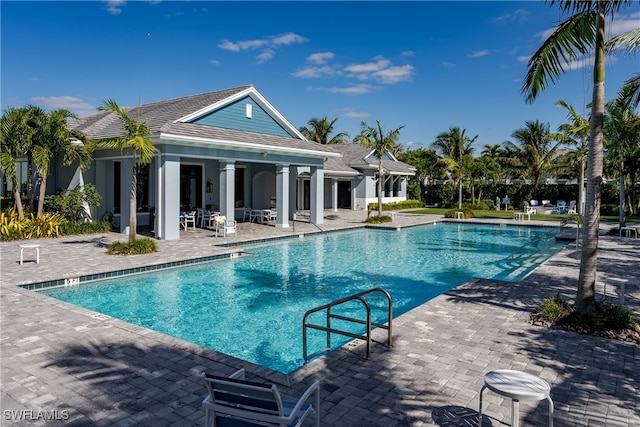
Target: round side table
517	386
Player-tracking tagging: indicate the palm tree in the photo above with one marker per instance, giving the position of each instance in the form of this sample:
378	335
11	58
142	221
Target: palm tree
576	132
15	139
454	146
622	135
320	129
53	137
580	34
381	143
135	140
537	151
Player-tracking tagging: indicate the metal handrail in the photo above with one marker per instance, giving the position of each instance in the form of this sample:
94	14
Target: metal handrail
329	330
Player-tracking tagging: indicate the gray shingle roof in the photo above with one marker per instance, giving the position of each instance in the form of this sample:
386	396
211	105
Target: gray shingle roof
356	156
155	114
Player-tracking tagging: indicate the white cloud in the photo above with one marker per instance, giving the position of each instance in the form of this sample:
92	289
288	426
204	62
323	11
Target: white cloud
447	64
394	74
265	56
381	70
353	90
315	72
114	7
524	59
480	53
320	57
519	15
357	114
214	62
408	53
71	103
267	45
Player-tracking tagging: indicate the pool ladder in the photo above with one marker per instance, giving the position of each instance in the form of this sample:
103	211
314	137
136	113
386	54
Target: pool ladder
330	330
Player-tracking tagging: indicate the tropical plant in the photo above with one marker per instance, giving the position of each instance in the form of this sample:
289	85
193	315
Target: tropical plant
52	136
622	138
15	140
454	145
424	161
576	132
580	34
318	130
134	141
381	143
537	148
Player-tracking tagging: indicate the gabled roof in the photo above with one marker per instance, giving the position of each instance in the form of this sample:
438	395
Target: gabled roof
357	156
170	119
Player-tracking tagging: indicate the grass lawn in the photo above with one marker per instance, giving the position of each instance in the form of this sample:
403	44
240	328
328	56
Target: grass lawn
509	215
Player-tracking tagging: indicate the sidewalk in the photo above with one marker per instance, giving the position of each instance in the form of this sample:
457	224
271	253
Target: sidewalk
90	370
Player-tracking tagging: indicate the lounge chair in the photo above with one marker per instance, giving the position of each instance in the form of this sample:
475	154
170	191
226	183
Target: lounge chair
572	207
561	207
233	401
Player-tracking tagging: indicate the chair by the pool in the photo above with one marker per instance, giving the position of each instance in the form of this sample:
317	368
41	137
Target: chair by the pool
226	226
528	209
188	219
204	217
572	207
534	204
233	401
561	207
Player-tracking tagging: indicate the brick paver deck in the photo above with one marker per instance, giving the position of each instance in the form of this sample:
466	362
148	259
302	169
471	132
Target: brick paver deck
86	369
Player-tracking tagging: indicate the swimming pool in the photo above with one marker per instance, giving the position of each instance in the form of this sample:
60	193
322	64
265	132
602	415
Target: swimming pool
251	307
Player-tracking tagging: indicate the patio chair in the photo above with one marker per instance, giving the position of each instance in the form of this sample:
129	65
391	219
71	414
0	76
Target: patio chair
233	401
528	209
189	218
572	207
225	226
561	207
204	216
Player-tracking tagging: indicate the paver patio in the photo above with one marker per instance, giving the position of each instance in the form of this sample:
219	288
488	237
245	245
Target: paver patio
91	370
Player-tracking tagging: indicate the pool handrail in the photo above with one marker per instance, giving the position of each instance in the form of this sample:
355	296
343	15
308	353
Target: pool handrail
329	330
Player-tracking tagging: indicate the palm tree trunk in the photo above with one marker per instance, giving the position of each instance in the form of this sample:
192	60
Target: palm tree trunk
580	209
460	195
133	202
18	199
621	197
379	188
41	193
585	298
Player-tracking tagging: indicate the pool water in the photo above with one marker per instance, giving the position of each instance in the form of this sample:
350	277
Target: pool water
251	307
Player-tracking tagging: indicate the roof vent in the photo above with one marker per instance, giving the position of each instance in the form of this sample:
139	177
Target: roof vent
249	109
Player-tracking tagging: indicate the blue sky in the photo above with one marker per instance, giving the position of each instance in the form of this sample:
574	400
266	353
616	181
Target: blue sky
427	65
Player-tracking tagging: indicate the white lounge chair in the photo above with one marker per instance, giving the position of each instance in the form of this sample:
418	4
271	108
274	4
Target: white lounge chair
233	401
572	207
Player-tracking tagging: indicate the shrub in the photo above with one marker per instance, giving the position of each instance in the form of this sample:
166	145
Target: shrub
74	228
135	247
377	219
467	213
405	204
48	225
554	309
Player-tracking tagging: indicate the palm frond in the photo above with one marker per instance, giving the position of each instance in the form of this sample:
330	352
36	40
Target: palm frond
571	39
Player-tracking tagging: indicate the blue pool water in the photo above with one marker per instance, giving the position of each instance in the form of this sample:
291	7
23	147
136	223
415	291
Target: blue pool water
252	307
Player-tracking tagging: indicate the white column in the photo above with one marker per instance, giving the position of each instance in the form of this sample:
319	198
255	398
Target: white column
334	194
317	195
168	210
227	188
126	175
282	196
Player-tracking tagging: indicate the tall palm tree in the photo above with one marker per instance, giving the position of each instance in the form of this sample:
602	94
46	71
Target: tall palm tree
454	145
53	137
318	130
622	135
580	34
381	143
135	140
15	139
576	132
537	149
